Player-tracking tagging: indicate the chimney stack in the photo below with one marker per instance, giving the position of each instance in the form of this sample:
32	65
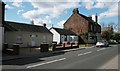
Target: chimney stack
44	24
96	18
90	17
75	11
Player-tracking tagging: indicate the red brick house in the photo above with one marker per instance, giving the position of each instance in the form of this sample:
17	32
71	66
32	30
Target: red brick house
87	29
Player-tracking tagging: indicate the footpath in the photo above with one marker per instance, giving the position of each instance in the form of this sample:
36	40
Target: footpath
112	64
6	57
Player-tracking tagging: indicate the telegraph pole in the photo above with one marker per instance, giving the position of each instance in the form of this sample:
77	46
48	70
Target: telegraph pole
2	8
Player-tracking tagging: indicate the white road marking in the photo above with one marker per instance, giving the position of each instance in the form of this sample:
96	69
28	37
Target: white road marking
108	47
88	52
80	54
46	63
85	53
114	45
101	49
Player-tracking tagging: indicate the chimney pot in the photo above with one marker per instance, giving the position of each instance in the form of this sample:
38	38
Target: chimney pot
90	17
44	25
96	18
75	11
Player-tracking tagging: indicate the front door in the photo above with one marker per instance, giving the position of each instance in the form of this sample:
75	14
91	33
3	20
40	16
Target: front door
33	40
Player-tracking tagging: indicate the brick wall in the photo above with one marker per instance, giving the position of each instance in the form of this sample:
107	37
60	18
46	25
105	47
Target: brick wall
80	25
77	24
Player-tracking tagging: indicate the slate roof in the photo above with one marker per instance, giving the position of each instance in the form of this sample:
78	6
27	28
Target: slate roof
15	26
64	31
87	18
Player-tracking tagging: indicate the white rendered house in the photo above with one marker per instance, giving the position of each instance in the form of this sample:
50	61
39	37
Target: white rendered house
61	35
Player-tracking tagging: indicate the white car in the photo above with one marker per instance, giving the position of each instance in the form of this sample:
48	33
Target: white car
103	43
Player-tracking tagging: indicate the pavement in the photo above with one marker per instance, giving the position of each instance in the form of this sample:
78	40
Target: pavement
6	57
111	64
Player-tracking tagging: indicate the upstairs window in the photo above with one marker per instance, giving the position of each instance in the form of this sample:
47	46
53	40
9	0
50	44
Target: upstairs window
91	27
95	28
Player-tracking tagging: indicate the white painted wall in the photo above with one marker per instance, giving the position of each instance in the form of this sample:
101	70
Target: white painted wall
70	38
56	36
76	38
26	39
62	38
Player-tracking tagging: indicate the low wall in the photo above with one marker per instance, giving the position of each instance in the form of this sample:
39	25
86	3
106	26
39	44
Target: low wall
29	51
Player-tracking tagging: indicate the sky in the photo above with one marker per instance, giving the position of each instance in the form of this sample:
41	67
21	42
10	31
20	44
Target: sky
56	12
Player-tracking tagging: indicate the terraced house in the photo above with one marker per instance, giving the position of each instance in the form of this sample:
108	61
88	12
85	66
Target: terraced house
89	31
26	35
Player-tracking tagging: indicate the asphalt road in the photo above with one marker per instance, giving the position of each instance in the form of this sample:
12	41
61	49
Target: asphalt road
91	58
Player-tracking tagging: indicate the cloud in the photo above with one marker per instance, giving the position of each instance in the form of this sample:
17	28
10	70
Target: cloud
56	9
8	6
49	9
60	24
60	0
100	5
19	11
90	4
111	6
17	3
41	21
111	12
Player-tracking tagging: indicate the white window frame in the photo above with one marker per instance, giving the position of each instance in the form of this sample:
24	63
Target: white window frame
19	39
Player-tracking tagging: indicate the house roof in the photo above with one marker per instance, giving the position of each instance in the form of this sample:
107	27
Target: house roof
64	31
15	26
89	19
85	17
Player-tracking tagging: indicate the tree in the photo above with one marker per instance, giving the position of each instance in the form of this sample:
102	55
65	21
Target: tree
116	36
107	35
84	36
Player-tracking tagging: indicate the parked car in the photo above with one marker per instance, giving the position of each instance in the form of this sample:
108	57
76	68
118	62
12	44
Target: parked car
119	42
102	43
